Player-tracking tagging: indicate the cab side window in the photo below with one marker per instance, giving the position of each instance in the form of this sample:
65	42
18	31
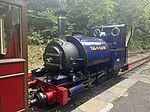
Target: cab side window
10	31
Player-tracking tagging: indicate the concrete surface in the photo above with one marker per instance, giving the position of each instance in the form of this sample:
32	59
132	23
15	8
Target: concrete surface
137	101
130	95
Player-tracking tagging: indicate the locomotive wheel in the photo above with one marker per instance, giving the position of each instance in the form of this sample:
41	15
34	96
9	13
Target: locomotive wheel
112	74
100	80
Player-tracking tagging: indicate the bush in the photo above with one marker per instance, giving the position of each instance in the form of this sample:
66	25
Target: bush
35	56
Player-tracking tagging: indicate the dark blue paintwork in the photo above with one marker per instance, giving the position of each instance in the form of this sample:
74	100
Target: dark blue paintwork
85	47
116	43
103	48
75	89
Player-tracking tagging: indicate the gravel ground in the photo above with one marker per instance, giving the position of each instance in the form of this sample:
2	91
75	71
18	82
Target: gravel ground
138	57
144	71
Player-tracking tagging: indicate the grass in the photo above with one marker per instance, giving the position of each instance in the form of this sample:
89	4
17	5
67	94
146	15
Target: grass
35	56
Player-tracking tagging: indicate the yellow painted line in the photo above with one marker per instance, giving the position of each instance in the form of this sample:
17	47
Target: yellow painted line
127	83
142	79
117	90
145	80
94	105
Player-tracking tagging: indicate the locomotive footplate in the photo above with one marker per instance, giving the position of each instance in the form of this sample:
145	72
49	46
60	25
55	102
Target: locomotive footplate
59	80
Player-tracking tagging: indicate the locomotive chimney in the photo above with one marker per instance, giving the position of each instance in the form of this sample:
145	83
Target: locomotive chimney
61	23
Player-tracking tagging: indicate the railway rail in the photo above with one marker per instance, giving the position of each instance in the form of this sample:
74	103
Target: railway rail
131	54
86	95
138	63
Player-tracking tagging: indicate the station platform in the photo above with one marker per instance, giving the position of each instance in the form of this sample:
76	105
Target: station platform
137	101
129	95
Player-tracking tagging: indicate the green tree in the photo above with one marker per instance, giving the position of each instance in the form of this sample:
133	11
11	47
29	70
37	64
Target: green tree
136	14
84	14
132	12
42	19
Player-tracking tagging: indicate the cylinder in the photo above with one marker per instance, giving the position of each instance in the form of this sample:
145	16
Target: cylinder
76	89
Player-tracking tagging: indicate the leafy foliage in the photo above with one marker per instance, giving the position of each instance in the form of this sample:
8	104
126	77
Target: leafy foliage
84	14
35	58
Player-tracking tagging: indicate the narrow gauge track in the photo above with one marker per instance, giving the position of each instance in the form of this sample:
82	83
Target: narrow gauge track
92	91
137	63
131	54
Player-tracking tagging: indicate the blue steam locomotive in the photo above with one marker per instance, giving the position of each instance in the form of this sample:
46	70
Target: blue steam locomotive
78	56
76	62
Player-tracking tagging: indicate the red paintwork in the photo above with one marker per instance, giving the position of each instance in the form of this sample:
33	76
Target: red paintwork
35	83
50	95
12	94
62	95
11	68
53	93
